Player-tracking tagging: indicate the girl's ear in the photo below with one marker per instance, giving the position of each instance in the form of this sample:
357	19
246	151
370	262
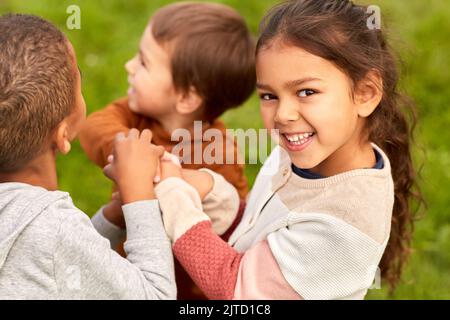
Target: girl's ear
368	93
61	138
188	102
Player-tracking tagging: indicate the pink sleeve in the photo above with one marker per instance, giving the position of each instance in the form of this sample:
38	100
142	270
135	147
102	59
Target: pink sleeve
223	273
259	280
211	262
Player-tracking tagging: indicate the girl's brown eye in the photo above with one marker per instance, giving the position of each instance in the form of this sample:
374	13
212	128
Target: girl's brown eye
306	93
266	96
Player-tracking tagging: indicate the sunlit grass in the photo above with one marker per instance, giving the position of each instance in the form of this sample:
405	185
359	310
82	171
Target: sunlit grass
420	31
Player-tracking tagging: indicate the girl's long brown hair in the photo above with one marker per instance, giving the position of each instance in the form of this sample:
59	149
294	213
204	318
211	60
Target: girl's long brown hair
338	30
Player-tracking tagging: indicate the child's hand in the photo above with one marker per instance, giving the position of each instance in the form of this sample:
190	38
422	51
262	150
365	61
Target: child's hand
113	211
133	165
169	169
202	181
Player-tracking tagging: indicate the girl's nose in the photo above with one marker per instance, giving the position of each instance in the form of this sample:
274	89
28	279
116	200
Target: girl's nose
130	65
286	113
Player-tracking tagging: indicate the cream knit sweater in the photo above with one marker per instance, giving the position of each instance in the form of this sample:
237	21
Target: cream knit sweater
298	238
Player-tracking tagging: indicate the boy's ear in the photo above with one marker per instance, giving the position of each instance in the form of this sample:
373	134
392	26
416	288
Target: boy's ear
61	138
188	102
368	93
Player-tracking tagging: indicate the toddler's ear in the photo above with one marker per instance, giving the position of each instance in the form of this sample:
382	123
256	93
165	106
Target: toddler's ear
188	102
368	93
61	138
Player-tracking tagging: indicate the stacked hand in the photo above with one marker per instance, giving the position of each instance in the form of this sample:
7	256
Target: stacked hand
136	165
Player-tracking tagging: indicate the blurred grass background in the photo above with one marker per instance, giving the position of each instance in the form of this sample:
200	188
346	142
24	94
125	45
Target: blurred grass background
419	31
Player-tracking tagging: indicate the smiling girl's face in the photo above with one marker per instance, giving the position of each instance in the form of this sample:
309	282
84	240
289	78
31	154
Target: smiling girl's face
309	100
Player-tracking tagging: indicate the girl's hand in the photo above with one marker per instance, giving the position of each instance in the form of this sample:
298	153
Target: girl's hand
202	181
169	169
133	165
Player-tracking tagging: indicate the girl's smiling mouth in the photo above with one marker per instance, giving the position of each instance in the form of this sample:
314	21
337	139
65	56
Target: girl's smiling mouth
297	141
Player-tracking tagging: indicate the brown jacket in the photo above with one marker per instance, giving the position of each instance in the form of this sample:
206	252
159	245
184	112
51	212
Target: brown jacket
97	136
101	127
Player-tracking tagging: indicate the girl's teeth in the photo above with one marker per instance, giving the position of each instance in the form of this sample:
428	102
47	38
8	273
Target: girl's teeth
299	138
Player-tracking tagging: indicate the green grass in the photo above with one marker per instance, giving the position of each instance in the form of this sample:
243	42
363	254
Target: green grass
420	30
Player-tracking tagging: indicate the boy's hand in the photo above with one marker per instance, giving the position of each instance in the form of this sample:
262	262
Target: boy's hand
133	165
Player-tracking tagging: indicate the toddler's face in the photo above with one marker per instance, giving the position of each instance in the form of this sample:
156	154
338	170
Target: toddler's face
309	100
151	92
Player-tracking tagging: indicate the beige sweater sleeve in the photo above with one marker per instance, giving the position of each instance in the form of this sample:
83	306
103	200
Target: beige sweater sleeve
182	207
221	204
